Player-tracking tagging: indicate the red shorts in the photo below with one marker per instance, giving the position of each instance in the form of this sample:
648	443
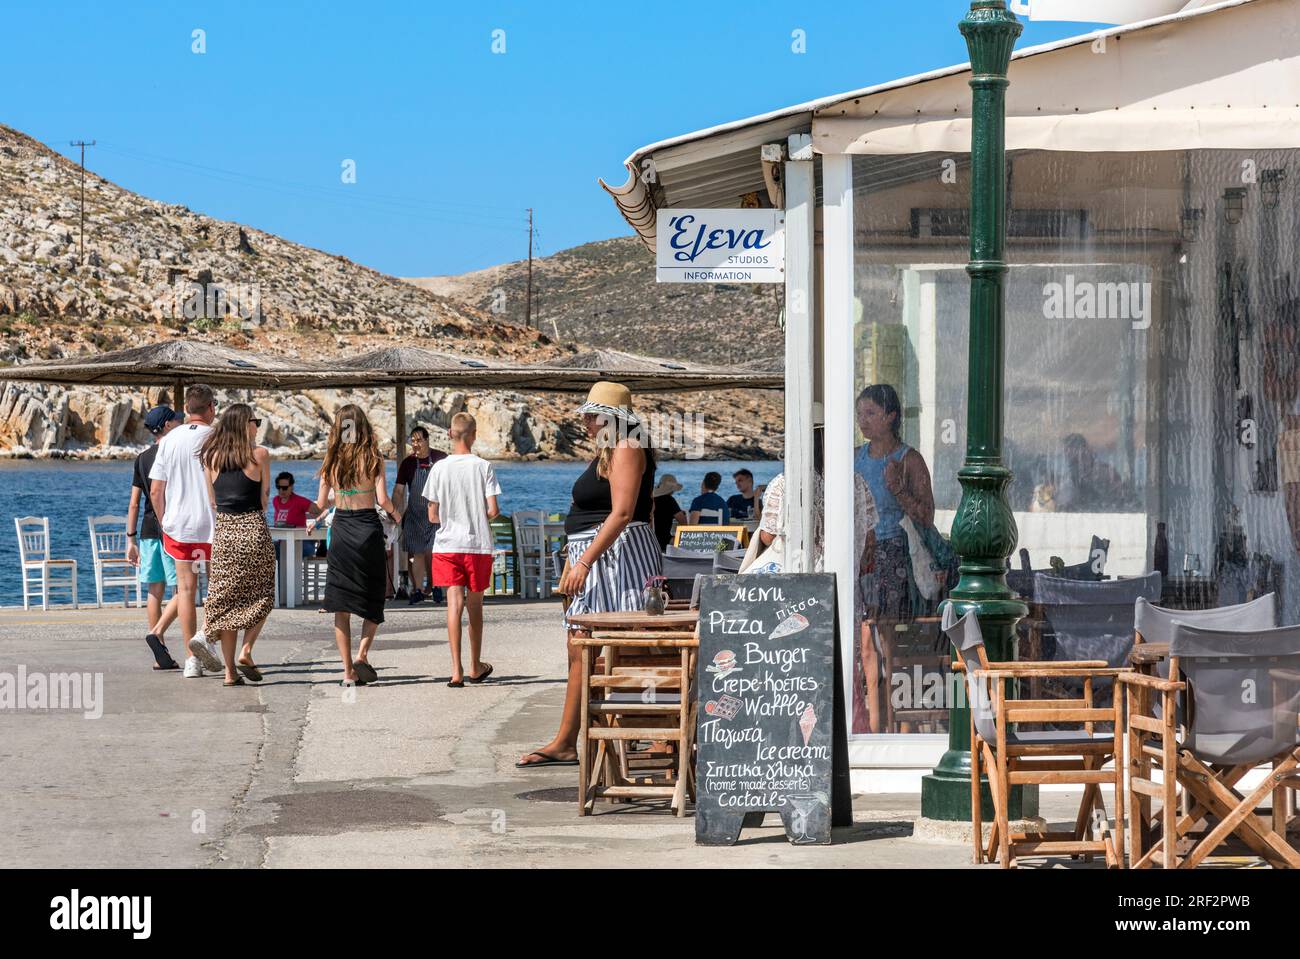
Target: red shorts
473	570
187	552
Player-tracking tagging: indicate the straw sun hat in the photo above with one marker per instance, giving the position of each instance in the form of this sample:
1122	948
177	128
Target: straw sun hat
667	484
610	399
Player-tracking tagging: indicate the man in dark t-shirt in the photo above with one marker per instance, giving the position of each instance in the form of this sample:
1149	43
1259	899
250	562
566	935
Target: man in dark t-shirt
408	497
747	503
710	500
145	549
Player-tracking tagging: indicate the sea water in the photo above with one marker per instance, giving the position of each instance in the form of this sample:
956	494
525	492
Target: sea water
68	491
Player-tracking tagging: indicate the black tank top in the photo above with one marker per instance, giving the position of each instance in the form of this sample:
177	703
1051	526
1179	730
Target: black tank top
593	501
236	493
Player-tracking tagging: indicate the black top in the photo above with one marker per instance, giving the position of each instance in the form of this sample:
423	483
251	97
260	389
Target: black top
236	493
593	501
739	507
666	508
149	528
406	469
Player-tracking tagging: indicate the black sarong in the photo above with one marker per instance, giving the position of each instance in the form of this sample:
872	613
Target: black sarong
357	579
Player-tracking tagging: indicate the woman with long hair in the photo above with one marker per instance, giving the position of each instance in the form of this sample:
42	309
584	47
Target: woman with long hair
612	549
900	485
241	586
356	579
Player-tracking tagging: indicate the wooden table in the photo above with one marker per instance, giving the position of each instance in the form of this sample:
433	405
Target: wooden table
290	570
1146	656
630	697
290	566
684	619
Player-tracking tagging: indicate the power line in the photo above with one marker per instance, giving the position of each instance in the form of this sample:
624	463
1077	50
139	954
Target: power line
81	239
528	296
382	203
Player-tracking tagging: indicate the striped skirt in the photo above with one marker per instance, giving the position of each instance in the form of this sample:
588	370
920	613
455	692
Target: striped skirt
616	583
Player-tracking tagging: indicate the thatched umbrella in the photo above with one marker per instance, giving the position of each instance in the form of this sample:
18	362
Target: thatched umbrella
403	366
170	362
178	361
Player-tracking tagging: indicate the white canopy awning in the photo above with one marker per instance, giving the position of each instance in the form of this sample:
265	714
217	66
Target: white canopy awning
1193	82
1222	75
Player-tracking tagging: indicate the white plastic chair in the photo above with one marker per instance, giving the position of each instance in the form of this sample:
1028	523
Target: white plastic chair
530	543
108	544
34	557
710	517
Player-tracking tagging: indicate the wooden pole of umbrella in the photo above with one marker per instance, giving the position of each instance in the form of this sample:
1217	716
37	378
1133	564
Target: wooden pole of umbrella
399	430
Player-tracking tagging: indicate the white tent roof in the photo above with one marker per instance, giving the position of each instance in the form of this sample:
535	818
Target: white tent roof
1211	76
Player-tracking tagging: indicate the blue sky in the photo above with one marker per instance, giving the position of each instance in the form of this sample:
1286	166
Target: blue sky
451	141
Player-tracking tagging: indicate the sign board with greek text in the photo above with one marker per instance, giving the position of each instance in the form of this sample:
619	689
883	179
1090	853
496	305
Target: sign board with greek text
720	246
770	732
709	539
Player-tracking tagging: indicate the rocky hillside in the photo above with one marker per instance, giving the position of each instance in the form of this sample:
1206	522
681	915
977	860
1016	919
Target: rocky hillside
153	271
605	294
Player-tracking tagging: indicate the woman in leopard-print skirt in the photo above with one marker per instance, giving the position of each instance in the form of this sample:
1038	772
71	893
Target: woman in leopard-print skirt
241	586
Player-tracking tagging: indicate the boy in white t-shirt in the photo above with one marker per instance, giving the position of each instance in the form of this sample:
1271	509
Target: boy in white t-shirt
178	490
462	491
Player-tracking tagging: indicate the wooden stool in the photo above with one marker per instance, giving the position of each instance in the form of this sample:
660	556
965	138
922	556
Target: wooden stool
643	692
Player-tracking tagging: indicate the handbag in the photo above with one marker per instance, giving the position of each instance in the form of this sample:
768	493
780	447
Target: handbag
759	560
935	566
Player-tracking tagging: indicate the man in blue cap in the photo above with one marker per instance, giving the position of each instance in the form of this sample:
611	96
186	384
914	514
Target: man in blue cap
157	569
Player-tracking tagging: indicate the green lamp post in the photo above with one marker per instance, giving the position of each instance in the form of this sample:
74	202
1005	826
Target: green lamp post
984	530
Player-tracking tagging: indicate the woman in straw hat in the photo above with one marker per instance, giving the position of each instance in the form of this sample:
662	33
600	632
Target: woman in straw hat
612	549
666	509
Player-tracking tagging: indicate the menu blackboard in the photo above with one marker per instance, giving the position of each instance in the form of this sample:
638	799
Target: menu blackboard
705	539
770	733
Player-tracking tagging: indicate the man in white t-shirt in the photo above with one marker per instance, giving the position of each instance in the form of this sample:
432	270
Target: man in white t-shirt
462	491
178	490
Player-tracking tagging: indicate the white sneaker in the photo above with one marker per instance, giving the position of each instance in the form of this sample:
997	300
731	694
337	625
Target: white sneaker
192	668
201	648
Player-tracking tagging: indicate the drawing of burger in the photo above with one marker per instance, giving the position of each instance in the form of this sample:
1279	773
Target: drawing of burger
723	664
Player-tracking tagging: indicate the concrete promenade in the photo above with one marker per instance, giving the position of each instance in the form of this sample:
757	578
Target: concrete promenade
290	773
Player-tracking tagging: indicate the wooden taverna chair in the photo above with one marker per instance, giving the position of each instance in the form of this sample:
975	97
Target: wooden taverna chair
1240	693
639	694
1011	757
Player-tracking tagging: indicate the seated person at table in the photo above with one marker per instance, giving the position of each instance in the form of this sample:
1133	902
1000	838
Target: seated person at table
748	502
666	509
710	500
289	509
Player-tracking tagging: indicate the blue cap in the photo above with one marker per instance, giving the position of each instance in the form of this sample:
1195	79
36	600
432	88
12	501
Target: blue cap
158	417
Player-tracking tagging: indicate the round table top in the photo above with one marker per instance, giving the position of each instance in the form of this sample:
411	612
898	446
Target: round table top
684	619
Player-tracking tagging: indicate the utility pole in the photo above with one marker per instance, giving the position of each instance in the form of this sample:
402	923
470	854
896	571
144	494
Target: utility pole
528	296
81	240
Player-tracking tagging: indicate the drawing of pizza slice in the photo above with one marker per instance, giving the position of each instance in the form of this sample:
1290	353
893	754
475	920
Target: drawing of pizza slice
794	623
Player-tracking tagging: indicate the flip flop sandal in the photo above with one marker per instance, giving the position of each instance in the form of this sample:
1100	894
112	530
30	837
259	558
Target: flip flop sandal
365	672
487	671
251	672
550	761
239	681
456	685
163	658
